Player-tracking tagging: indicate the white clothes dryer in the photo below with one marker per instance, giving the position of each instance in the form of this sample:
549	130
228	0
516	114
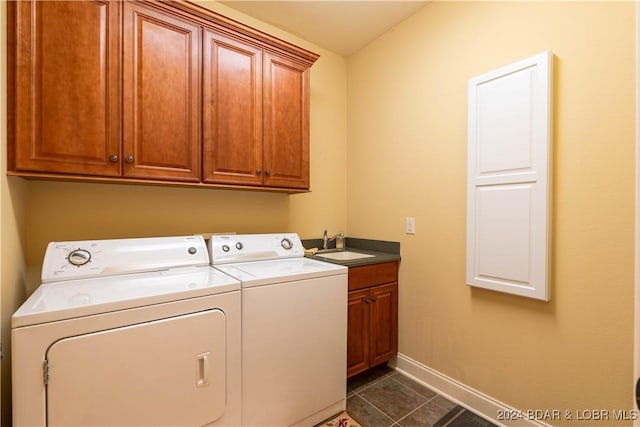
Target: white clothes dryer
128	332
294	329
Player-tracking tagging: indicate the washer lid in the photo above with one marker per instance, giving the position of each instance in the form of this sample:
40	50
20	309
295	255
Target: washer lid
257	273
76	298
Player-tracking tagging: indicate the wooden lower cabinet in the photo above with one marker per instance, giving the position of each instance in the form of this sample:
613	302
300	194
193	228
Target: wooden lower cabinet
372	334
358	332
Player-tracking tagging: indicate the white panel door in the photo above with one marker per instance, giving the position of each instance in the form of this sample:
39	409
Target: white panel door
508	188
168	372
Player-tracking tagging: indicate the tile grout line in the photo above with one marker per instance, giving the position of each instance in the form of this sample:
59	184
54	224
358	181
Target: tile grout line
430	399
393	375
378	409
384	377
390	376
370	384
419	406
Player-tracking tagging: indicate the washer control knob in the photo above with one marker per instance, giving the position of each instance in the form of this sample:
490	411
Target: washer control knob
239	246
79	257
225	248
192	250
286	243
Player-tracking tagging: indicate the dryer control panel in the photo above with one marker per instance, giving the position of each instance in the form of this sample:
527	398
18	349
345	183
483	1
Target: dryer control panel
97	258
254	247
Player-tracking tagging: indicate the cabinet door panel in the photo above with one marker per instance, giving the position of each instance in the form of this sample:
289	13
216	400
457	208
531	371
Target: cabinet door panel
384	323
161	95
66	63
232	108
358	332
286	123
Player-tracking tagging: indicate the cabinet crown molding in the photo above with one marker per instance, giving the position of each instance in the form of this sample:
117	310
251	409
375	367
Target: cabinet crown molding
236	28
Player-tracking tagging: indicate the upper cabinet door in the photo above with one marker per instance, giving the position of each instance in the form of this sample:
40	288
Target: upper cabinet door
232	110
65	66
161	104
286	123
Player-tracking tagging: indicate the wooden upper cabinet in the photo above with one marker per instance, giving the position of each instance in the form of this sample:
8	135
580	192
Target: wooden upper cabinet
256	115
163	91
286	122
232	111
161	86
64	75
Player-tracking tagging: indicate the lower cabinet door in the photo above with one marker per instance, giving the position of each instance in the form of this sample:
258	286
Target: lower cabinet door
358	332
164	372
384	323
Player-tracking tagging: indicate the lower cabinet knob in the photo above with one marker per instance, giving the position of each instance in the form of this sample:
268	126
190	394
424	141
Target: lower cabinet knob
113	158
129	159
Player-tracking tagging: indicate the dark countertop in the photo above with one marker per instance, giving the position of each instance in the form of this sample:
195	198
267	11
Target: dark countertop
382	251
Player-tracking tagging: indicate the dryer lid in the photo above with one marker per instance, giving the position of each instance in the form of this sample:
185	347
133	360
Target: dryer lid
77	298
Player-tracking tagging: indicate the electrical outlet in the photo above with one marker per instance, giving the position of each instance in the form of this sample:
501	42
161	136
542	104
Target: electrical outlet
410	226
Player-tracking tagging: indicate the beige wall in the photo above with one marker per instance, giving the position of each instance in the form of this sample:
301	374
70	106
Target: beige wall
407	111
406	155
36	212
73	211
13	193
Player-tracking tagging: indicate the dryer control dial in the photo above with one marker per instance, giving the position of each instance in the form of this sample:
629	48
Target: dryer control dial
79	257
286	243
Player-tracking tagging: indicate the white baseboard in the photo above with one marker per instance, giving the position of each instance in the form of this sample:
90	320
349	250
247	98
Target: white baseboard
495	411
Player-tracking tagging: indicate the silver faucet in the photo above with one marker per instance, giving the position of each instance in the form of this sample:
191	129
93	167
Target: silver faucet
326	239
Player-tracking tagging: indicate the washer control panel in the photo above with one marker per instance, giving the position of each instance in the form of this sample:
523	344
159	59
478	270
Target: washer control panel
254	247
95	258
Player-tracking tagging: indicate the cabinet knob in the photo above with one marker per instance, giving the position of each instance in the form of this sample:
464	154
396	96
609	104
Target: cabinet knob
259	172
366	300
267	172
129	159
113	158
374	299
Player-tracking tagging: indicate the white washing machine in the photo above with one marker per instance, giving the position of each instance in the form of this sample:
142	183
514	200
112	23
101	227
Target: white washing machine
128	332
294	329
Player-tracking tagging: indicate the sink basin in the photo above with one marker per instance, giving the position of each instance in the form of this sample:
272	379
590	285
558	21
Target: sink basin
344	255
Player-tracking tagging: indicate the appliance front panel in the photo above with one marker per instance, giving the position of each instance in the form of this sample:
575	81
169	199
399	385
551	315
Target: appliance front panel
96	258
231	248
293	350
166	372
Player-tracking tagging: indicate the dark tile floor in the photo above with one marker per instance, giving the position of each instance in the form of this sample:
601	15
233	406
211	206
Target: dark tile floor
383	397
